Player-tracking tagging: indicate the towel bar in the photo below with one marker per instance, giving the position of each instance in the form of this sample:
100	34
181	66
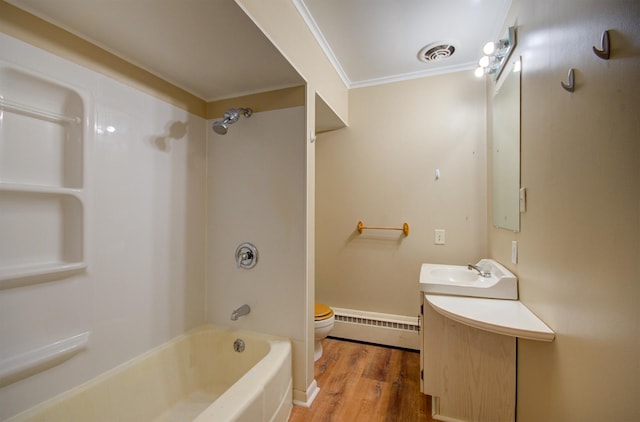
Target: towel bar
404	228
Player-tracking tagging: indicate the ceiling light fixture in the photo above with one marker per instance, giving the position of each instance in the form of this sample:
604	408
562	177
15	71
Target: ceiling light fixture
496	54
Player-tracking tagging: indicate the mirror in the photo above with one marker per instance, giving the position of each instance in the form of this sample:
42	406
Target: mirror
506	149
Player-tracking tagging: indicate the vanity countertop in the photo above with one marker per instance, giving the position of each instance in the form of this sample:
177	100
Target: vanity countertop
501	316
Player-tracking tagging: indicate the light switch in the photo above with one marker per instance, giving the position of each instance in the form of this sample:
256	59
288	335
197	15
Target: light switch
523	199
439	237
514	252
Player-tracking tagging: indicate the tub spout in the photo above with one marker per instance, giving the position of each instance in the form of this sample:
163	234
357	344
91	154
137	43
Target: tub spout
243	310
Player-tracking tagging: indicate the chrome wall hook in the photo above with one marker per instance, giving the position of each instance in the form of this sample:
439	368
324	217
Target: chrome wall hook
571	85
605	52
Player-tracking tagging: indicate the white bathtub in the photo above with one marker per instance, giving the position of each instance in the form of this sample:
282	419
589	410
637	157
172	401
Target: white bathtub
195	377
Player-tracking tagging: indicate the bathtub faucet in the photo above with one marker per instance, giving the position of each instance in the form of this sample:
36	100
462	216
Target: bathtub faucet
243	310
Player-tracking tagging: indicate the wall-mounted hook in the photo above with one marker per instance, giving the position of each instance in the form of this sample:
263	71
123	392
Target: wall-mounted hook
606	47
571	85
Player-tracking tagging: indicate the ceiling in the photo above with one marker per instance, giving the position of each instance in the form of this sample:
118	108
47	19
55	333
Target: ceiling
377	41
213	50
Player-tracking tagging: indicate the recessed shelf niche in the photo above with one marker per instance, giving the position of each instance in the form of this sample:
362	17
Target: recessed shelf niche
41	176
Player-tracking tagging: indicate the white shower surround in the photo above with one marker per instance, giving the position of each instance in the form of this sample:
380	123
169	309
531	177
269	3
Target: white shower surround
144	211
256	184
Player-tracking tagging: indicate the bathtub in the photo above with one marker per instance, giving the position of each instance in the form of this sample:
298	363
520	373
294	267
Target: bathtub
198	376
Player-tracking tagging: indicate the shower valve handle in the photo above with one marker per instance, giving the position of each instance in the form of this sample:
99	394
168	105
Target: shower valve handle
246	256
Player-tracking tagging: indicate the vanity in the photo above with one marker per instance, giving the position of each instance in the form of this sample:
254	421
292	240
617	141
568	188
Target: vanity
471	318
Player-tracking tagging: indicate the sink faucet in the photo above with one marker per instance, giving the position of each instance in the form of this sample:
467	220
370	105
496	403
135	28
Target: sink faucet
482	273
243	310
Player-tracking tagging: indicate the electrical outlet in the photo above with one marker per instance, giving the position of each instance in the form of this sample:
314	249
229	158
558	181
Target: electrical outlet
514	252
439	237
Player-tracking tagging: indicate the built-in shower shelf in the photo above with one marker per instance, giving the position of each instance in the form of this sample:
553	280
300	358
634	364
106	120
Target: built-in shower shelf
28	363
42	134
42	231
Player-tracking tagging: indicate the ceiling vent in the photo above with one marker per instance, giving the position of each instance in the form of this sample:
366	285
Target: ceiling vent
436	52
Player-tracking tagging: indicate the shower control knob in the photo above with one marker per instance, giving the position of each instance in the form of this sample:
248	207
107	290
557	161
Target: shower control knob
246	256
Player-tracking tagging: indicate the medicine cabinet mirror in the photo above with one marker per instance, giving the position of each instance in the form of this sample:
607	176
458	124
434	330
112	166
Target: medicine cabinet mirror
506	149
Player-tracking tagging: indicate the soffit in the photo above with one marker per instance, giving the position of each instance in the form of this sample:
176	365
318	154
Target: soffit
210	48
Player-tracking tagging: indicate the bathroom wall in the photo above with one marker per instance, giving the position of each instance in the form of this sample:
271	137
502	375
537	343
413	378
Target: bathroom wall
381	170
144	216
579	260
256	184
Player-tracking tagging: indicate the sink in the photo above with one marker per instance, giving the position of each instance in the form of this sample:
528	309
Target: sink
458	280
454	275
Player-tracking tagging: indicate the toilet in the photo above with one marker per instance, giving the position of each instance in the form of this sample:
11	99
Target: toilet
323	324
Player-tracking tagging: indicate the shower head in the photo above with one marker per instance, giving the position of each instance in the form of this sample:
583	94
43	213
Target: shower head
220	127
230	116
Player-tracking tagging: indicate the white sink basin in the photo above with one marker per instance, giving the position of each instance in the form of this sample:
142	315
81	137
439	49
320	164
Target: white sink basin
454	275
458	280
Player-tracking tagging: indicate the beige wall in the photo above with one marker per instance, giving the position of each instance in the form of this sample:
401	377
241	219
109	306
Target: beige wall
263	101
381	170
579	266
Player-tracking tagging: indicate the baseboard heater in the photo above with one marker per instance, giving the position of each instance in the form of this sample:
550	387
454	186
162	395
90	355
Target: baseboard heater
373	327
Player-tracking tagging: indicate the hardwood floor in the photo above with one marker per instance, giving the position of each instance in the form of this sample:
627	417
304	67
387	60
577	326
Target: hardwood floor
364	382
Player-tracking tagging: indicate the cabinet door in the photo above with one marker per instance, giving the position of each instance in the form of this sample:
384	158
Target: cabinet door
470	372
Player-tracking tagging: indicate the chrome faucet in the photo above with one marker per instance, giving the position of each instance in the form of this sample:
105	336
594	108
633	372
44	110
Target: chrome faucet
482	273
243	310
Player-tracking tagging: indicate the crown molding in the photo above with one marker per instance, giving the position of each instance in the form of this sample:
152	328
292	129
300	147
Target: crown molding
317	34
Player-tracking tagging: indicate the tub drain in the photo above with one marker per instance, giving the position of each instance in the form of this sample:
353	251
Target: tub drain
238	345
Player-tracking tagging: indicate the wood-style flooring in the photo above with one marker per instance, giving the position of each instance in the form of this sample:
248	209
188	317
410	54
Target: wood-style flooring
365	382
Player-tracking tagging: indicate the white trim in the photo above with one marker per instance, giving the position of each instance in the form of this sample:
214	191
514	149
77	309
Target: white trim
415	75
305	398
317	34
